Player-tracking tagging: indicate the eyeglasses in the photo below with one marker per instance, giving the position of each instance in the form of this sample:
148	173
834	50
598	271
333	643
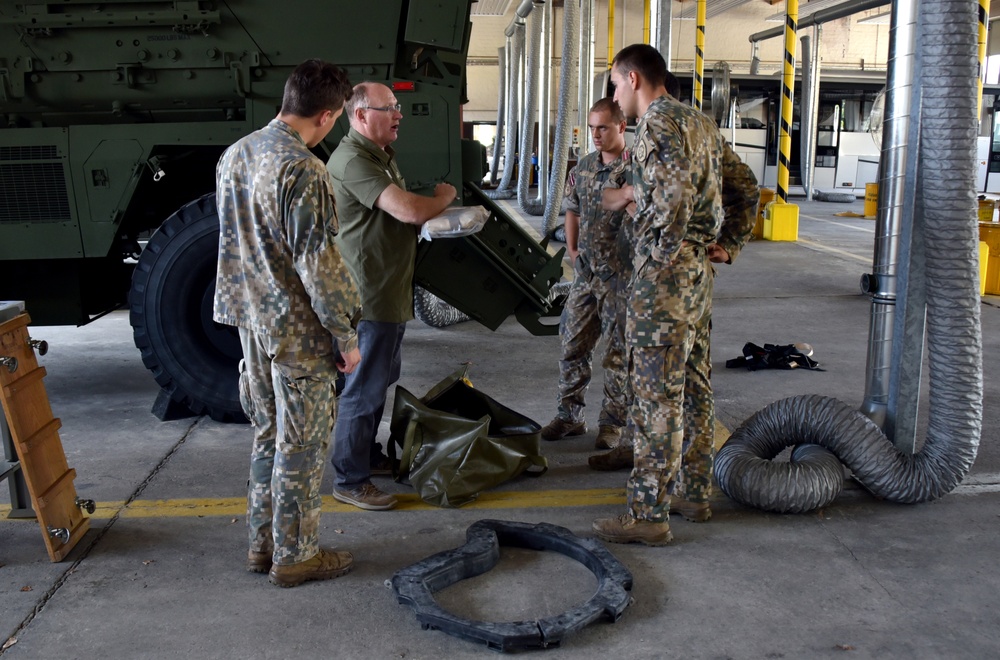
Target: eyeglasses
388	108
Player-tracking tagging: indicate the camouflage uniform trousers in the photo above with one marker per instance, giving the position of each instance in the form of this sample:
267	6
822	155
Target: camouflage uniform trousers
287	393
672	421
593	310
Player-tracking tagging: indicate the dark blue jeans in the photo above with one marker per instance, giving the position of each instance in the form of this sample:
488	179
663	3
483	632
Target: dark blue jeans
360	406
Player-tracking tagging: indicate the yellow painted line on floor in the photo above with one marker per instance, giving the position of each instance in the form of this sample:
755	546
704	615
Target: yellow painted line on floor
840	224
819	247
236	506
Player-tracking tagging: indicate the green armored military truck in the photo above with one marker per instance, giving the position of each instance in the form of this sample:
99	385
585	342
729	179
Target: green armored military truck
113	115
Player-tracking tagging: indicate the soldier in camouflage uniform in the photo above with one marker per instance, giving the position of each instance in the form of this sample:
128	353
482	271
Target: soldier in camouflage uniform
740	195
282	282
677	179
593	307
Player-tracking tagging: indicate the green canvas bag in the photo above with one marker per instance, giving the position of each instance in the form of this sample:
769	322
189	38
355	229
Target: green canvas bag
457	442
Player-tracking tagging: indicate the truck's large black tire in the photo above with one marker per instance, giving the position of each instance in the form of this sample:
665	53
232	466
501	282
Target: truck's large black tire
194	359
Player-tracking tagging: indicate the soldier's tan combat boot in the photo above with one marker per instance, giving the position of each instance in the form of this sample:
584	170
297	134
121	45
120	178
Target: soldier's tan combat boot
693	511
619	458
626	529
326	565
559	428
608	437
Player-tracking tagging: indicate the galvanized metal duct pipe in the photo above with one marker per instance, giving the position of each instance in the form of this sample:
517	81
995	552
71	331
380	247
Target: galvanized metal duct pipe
754	58
501	109
564	130
810	108
663	25
823	16
946	234
524	165
807	125
897	203
817	74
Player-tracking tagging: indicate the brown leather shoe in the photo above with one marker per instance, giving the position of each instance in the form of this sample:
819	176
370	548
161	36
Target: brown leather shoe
366	496
626	529
258	562
693	511
608	437
325	565
559	428
619	458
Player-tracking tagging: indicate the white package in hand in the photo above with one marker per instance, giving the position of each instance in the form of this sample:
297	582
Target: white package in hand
455	221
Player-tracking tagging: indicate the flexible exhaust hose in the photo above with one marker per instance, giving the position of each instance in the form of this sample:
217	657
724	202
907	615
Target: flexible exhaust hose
564	123
501	109
504	190
528	114
948	130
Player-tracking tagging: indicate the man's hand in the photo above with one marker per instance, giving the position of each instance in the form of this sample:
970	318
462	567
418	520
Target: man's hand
572	254
349	361
717	254
446	191
615	199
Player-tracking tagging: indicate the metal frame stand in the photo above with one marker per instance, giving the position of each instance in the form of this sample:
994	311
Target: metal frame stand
10	469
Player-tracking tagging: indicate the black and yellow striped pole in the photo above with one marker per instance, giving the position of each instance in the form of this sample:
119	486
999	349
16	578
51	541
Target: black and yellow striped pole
699	55
787	85
646	22
781	219
984	17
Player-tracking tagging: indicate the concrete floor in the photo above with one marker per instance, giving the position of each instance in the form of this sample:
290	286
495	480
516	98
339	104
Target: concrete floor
163	576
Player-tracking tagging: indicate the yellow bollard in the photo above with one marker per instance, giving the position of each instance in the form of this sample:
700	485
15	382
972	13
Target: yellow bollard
986	207
984	260
871	200
989	233
766	196
781	222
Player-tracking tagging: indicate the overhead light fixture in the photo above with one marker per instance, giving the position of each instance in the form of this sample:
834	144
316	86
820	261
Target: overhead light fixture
805	9
712	8
877	19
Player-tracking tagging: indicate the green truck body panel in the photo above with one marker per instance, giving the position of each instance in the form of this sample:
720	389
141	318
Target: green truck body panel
114	114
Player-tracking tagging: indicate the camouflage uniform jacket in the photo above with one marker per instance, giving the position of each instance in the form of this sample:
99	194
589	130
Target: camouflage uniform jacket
740	195
677	175
599	229
280	272
676	172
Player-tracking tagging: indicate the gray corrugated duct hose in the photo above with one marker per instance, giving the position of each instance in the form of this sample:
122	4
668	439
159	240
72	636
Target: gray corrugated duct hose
516	46
948	129
564	124
524	165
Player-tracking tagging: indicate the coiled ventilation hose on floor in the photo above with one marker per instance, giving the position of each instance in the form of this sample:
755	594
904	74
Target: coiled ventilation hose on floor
823	429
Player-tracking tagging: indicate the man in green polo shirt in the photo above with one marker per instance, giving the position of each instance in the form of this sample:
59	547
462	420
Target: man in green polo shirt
379	222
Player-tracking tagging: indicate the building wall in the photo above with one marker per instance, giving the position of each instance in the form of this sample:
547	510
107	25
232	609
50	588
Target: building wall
845	44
